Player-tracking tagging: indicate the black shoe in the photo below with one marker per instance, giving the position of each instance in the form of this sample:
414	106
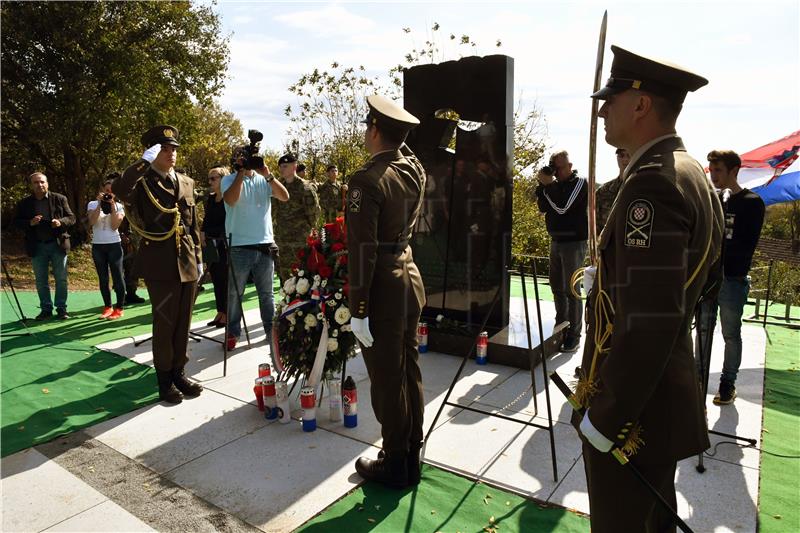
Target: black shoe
389	470
726	394
166	389
213	323
44	315
61	314
188	388
570	345
133	299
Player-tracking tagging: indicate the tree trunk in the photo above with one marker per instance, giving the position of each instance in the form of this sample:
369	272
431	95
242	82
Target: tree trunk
75	182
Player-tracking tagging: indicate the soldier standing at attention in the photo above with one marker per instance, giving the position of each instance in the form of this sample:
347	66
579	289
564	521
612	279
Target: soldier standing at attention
639	383
607	193
294	219
161	208
386	290
331	195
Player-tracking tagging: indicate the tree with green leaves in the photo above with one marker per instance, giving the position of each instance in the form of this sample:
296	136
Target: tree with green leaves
74	103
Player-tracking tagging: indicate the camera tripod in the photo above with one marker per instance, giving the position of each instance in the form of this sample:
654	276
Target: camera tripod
21	314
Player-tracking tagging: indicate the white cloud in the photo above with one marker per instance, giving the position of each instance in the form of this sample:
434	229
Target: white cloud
328	21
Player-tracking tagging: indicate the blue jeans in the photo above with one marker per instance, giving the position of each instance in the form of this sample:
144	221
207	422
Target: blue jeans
109	256
730	302
245	261
47	253
565	259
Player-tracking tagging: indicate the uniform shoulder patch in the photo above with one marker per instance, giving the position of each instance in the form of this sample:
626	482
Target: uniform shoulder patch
639	223
354	198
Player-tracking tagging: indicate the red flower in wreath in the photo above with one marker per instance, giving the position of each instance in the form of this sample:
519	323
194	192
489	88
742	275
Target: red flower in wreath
337	247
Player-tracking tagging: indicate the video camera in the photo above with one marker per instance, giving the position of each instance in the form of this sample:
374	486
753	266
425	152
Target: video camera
246	157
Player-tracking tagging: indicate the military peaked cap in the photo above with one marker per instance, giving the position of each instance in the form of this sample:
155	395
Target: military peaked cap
632	71
385	113
160	135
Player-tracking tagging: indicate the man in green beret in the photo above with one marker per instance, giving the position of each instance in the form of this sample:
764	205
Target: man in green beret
160	204
386	290
639	383
293	219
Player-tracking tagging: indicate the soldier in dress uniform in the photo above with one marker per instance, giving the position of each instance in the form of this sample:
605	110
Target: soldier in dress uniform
386	290
607	192
294	219
161	207
639	383
332	195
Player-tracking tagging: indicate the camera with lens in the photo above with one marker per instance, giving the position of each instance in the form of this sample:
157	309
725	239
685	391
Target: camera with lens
246	157
106	204
550	168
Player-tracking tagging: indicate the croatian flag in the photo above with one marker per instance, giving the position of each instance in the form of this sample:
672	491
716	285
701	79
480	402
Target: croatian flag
773	170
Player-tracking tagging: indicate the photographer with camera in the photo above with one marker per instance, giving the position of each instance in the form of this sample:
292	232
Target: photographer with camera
248	220
105	217
563	198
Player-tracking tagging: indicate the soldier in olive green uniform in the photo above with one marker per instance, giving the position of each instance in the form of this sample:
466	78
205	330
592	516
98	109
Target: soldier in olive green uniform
293	220
332	195
386	290
640	384
160	205
607	192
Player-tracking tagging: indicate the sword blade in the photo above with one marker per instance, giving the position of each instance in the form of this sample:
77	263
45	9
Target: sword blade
598	71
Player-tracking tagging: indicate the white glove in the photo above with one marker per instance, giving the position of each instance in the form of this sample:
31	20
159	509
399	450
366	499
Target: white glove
199	271
588	278
150	154
360	327
595	438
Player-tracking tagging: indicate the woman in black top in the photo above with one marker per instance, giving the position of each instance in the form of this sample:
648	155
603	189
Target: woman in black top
212	234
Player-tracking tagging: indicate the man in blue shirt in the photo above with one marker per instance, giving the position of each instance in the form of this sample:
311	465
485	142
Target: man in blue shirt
248	220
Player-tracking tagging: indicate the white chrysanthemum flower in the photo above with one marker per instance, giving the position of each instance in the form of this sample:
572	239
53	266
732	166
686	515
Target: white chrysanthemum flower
338	295
333	345
334	332
301	273
310	321
292	320
319	316
289	286
347	327
302	286
439	318
342	315
315	285
323	283
317	278
299	313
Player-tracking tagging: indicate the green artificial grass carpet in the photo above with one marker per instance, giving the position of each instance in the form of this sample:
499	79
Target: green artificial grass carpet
53	381
442	502
779	486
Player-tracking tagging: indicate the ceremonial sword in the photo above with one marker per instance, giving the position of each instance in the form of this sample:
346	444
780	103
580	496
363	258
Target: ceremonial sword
598	71
620	456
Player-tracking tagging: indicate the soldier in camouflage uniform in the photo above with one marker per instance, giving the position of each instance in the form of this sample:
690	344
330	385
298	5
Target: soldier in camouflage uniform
332	195
607	193
293	220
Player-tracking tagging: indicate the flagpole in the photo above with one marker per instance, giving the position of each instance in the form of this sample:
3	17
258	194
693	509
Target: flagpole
598	71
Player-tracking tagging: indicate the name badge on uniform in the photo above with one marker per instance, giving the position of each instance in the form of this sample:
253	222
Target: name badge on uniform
355	200
639	224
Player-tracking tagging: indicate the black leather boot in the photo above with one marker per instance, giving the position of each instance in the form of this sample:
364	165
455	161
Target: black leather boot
166	390
390	470
188	388
413	464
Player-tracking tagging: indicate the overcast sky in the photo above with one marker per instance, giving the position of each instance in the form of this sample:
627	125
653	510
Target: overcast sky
749	51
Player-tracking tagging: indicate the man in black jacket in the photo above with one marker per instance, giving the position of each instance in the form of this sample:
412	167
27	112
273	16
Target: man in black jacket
562	196
45	217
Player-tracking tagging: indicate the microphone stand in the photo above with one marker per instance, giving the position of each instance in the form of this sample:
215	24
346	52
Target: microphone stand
704	344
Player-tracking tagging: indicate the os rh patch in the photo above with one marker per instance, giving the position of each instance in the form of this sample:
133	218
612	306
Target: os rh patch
639	224
355	200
